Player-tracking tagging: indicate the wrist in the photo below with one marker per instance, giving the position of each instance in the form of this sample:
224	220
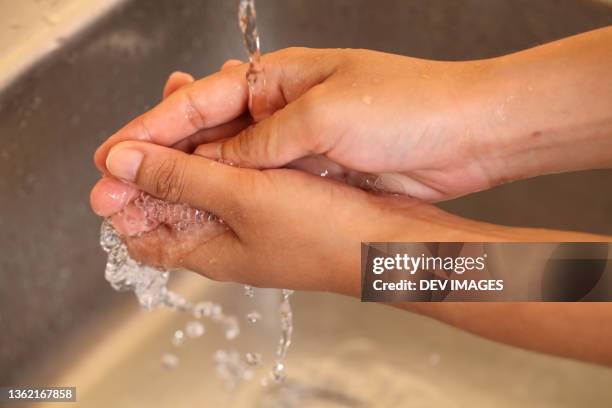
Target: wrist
544	110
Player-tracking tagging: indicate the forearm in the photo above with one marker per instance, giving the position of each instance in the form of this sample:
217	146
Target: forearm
546	327
548	109
575	330
405	220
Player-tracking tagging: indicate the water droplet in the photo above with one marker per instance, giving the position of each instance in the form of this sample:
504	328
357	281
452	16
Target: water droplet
202	309
178	338
169	361
194	329
278	372
434	359
216	312
249	291
253	317
232	329
253	359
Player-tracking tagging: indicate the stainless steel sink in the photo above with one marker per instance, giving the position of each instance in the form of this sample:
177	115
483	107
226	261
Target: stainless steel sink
61	324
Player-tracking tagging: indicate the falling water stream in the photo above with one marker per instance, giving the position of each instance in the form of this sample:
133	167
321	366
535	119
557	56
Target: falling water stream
256	78
258	106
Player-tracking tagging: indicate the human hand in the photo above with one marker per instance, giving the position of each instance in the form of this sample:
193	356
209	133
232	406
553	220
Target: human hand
281	227
358	111
431	130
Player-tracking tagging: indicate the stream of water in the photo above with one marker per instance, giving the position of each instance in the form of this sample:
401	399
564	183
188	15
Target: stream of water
259	108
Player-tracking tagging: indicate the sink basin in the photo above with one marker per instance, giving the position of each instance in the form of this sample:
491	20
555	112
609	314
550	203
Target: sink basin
61	324
345	354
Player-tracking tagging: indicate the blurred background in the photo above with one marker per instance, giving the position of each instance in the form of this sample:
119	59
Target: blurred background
73	71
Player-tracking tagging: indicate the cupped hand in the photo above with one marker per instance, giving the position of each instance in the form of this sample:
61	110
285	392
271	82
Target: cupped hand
281	227
410	122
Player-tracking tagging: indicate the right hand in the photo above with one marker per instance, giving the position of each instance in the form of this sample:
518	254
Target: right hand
431	130
345	111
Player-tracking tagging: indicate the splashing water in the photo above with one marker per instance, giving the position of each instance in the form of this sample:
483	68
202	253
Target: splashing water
149	283
124	274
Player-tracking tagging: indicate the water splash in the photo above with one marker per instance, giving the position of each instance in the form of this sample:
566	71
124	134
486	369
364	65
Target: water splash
125	274
149	284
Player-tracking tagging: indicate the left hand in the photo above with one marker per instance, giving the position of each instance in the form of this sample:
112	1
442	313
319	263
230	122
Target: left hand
286	228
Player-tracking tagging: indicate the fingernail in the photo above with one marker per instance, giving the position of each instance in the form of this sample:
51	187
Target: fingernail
109	196
124	163
209	150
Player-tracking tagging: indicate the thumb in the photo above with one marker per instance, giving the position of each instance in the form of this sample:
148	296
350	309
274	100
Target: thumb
289	134
176	176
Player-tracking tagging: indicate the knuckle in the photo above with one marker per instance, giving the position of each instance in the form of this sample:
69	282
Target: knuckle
271	145
245	148
245	143
169	180
141	130
193	112
314	118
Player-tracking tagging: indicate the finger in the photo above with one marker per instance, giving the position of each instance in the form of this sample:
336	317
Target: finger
175	81
231	63
223	131
175	176
203	104
109	196
223	97
292	133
